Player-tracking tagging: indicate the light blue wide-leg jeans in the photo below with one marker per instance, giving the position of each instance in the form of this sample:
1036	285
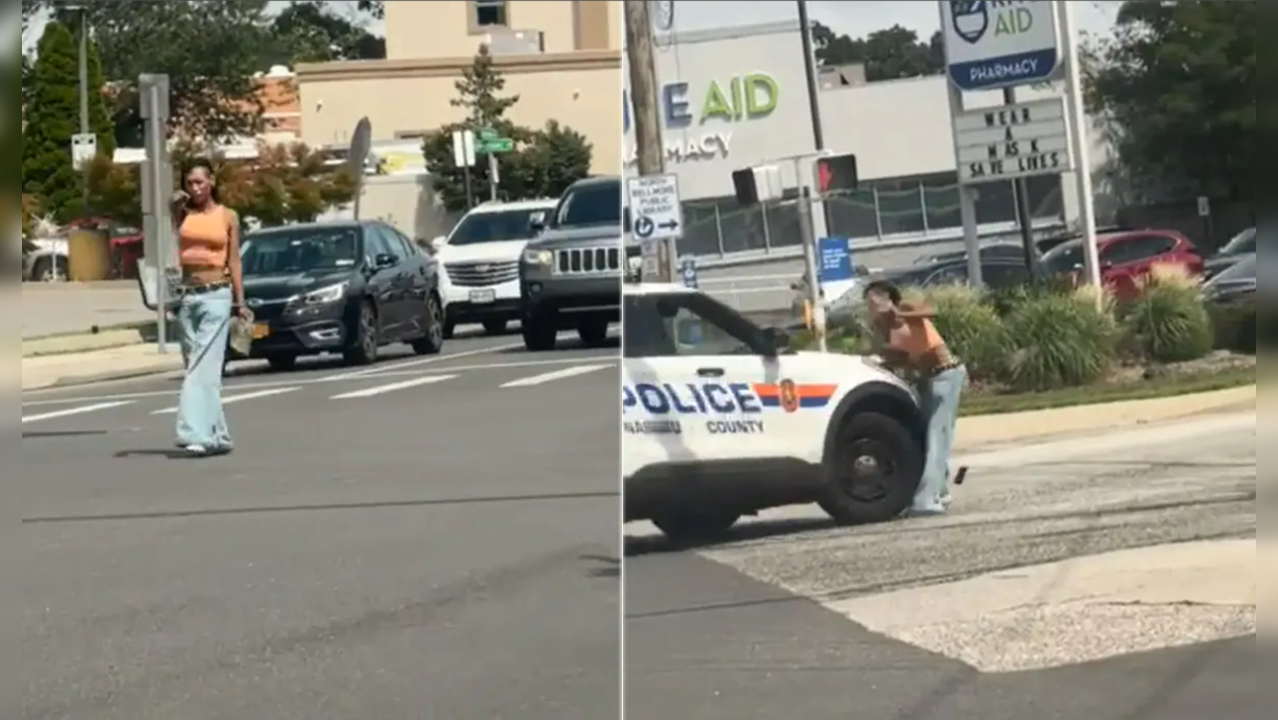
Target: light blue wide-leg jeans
205	321
941	395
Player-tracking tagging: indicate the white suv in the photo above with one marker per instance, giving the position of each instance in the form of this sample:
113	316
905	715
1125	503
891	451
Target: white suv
722	420
480	261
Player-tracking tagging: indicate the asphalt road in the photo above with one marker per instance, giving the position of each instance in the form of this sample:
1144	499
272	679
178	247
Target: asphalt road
425	538
752	628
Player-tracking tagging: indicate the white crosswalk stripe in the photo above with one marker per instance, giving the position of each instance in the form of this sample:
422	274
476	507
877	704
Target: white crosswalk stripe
392	387
556	375
229	399
67	412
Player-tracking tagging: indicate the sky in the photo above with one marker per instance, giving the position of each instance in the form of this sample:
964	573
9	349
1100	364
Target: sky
855	19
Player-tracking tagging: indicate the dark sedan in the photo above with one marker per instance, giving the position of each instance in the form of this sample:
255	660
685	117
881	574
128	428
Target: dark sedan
344	288
1240	247
1236	283
996	273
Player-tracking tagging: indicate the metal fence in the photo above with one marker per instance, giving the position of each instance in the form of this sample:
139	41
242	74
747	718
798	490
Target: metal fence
890	210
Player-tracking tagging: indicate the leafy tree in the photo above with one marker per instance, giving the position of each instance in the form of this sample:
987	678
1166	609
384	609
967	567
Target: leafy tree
375	8
209	50
284	184
312	32
52	118
1177	83
543	163
30	211
894	53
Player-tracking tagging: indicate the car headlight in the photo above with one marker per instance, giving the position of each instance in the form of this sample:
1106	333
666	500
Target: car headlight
538	257
324	295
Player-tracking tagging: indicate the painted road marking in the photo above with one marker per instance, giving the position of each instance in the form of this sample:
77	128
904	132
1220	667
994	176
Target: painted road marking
238	398
307	381
377	370
74	411
392	387
555	375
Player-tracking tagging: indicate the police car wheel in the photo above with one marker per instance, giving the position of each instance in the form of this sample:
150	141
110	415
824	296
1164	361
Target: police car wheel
695	525
875	468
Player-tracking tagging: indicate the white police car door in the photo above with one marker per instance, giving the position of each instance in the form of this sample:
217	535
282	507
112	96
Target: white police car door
700	378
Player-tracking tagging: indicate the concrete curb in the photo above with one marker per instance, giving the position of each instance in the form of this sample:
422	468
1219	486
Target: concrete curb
983	431
84	342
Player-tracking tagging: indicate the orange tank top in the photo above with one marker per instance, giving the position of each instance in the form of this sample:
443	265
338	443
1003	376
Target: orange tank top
916	336
204	239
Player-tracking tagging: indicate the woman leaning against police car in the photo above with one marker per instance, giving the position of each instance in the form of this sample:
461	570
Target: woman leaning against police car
907	341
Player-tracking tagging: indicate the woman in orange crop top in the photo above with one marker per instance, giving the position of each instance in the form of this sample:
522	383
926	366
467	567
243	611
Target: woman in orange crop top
906	340
211	291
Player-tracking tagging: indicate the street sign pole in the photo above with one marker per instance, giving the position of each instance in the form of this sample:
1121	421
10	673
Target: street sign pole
1078	139
810	257
157	189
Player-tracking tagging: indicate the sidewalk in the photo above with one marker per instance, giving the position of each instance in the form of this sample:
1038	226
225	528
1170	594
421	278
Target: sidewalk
94	366
975	432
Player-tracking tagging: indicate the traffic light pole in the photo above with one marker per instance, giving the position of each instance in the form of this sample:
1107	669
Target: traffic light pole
810	258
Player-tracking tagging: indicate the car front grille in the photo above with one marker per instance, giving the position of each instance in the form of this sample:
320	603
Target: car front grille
587	261
482	274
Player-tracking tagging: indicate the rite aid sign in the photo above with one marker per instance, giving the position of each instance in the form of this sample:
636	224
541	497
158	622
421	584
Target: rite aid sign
999	44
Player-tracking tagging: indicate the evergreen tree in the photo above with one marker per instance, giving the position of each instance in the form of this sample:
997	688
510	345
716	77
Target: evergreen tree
52	116
100	122
543	163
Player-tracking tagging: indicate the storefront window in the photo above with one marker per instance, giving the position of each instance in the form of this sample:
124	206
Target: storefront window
701	229
784	228
941	202
900	207
854	215
744	228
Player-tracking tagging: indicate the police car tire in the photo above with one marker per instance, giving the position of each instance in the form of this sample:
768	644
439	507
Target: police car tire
539	334
695	525
900	494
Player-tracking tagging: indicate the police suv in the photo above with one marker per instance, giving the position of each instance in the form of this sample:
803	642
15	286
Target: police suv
722	420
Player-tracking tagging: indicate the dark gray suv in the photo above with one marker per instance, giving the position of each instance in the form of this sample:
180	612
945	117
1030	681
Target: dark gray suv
570	275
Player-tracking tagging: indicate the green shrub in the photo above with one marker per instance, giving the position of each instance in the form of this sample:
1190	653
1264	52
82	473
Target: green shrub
1060	341
972	329
1168	321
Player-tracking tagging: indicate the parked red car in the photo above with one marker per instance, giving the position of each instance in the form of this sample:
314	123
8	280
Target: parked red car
1127	257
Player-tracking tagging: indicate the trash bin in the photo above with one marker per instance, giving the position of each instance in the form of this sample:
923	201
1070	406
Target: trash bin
88	256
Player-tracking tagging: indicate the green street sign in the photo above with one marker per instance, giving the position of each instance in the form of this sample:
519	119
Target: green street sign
494	146
486	134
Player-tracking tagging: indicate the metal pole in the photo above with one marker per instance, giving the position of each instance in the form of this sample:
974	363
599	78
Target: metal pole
84	103
810	259
492	176
1078	139
155	159
966	193
814	99
1020	194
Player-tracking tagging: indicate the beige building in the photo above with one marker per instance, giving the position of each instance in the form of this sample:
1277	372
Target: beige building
562	58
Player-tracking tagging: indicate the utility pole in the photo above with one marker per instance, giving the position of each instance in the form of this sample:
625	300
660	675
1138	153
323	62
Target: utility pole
84	102
646	112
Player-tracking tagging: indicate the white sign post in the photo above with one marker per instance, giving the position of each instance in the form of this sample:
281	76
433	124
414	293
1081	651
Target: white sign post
657	214
1012	141
84	147
999	44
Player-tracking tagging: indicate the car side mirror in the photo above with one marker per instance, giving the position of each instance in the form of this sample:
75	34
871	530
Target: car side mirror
537	221
384	261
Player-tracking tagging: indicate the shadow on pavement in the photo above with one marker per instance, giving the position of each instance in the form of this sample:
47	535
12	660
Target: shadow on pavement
761	530
612	343
61	434
173	454
606	567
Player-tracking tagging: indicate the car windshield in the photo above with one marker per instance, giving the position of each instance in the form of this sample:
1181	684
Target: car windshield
498	226
1063	258
596	203
310	249
1243	242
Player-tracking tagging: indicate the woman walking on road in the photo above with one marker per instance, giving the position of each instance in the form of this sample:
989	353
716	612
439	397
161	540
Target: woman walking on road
210	293
907	341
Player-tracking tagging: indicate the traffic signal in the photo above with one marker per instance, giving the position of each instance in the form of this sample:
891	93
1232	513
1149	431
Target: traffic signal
836	173
754	185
